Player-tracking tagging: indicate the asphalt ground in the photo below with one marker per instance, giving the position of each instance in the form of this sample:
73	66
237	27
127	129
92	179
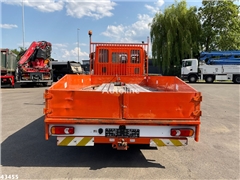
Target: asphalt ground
27	155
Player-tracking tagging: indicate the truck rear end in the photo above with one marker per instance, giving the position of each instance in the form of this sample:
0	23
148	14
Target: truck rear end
120	104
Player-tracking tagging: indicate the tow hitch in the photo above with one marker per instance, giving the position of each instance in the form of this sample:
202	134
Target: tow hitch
121	145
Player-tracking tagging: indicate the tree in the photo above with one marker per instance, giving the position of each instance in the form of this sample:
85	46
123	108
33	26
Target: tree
220	25
19	53
15	51
174	35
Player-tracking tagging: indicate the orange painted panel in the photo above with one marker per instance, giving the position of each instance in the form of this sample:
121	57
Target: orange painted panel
168	83
160	105
72	81
83	104
142	80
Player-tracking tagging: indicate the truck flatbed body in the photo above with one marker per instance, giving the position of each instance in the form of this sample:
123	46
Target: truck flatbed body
142	100
152	97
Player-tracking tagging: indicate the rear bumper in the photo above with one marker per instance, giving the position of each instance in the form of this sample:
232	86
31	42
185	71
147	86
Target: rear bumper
35	81
155	129
90	141
8	79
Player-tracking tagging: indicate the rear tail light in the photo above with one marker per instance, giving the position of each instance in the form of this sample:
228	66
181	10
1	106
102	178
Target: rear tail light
62	130
182	132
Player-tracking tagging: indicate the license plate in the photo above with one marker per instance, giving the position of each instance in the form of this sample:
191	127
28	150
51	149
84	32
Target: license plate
112	132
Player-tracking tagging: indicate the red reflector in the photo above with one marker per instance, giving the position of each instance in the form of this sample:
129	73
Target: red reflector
182	132
62	130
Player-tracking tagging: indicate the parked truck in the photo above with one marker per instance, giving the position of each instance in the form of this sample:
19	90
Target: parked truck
120	104
224	66
60	69
34	64
8	67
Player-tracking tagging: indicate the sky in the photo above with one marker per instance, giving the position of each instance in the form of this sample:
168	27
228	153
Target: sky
65	24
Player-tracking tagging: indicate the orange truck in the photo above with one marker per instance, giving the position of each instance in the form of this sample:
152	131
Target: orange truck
120	104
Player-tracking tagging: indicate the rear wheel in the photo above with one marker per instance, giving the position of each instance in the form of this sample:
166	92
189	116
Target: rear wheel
28	84
45	84
59	77
192	78
209	79
236	79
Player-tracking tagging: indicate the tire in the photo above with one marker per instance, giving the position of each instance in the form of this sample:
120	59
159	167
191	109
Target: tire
236	79
59	77
192	78
31	84
209	79
45	84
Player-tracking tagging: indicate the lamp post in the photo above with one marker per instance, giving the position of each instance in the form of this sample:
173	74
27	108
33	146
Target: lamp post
78	42
23	24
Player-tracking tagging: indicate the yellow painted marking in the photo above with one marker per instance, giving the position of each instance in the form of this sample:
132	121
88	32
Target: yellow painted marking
176	142
66	141
84	141
159	142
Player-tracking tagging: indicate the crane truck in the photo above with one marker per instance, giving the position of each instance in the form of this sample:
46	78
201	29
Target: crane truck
119	104
211	66
34	64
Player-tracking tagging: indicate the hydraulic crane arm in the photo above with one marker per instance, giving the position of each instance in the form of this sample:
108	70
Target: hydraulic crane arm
40	50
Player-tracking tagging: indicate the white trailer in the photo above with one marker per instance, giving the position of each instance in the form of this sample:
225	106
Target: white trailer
192	71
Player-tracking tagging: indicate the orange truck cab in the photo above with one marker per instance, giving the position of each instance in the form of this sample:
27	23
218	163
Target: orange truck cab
120	60
120	104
